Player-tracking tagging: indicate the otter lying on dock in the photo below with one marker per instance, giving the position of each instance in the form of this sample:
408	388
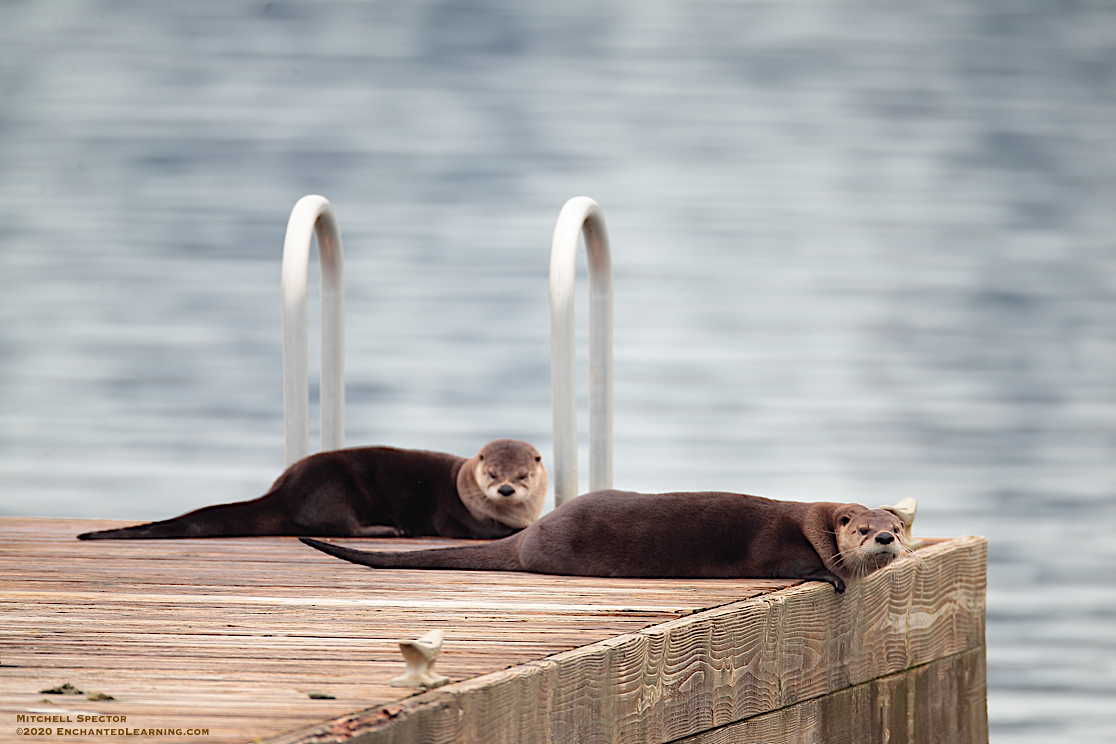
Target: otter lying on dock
677	535
378	492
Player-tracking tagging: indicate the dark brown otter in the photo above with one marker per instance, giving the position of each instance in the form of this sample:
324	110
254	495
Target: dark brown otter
378	492
677	535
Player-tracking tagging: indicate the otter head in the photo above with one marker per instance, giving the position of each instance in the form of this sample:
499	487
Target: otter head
505	481
867	540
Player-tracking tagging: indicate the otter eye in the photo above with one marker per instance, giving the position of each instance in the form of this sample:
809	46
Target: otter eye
864	530
844	521
538	458
895	530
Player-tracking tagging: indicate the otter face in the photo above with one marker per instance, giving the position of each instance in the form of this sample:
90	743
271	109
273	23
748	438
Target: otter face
509	474
505	481
867	539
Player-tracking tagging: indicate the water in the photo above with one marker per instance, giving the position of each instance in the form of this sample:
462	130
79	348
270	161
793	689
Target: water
861	252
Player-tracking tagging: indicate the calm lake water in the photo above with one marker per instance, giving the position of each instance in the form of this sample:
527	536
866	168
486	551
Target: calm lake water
861	252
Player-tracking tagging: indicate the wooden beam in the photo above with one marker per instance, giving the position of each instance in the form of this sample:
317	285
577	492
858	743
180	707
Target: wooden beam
708	670
943	701
231	635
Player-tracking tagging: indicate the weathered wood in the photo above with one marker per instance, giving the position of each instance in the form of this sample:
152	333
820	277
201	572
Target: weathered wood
711	669
232	634
943	701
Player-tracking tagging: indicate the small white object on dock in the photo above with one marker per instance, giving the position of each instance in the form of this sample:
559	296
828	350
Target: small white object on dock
420	655
906	510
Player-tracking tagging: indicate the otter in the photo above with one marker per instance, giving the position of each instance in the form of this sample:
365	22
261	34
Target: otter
378	492
676	535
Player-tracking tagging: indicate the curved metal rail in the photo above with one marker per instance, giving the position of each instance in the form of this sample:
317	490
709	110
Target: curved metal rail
581	215
313	215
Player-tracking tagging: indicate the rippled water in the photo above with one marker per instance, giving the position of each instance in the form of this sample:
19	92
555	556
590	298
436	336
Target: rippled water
861	252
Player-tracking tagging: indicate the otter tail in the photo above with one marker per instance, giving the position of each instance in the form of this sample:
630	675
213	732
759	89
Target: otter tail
498	555
125	533
241	519
167	528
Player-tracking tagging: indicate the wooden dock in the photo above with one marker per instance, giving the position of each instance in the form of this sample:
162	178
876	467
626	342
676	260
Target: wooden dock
233	636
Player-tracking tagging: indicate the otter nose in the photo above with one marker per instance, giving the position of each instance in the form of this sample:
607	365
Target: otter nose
885	538
506	490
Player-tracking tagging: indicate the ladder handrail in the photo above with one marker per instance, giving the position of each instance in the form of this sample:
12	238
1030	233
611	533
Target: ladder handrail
581	215
313	215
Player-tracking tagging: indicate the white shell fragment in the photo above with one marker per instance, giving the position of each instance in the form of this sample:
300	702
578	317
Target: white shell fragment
905	510
420	655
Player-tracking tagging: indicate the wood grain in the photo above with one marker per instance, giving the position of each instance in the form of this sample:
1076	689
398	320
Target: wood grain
711	669
943	701
231	635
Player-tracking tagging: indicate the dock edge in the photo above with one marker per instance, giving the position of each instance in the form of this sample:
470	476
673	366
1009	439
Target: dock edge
900	656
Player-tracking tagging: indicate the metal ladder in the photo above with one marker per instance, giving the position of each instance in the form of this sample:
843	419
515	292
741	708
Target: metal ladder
313	215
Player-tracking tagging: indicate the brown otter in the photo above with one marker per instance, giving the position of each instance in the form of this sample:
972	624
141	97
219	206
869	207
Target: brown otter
378	492
677	535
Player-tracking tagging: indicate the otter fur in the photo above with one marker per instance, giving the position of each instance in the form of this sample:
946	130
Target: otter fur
676	535
378	492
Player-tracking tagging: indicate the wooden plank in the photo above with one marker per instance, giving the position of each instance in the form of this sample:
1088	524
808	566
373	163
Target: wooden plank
943	701
232	635
708	670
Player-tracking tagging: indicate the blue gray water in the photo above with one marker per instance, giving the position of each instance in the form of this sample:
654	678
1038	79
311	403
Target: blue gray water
862	251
